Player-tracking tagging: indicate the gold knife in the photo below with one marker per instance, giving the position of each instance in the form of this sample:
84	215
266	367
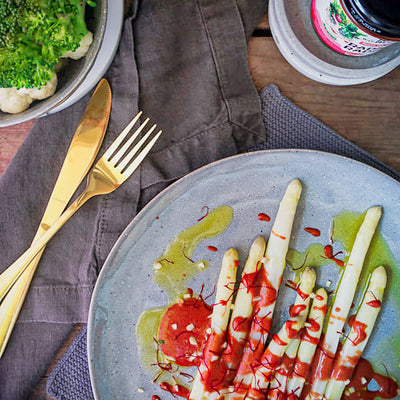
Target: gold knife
80	156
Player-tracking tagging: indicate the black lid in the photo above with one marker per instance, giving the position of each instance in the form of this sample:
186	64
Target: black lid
381	17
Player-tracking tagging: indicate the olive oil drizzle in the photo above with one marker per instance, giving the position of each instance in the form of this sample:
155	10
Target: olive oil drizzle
171	272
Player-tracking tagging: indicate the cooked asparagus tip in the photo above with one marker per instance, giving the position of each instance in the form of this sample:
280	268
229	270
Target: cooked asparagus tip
278	241
272	268
224	293
355	343
243	303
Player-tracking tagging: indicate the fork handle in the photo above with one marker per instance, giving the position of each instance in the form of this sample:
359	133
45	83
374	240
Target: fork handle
11	306
9	276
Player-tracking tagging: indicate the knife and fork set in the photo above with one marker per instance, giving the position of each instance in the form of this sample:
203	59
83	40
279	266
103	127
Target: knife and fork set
116	165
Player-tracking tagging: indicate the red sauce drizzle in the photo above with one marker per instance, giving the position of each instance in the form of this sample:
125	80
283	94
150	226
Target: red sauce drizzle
310	339
292	285
328	251
276	394
313	231
301	369
359	328
205	210
374	303
302	265
254	348
214	375
291	332
387	387
175	389
271	361
175	343
263	217
249	281
351	319
241	324
322	308
155	397
212	248
278	340
314	325
322	367
295	310
279	236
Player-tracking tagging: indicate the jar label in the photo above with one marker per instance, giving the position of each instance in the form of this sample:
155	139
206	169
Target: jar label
338	31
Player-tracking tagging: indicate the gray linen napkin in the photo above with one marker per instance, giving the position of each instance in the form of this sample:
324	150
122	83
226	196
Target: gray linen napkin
185	64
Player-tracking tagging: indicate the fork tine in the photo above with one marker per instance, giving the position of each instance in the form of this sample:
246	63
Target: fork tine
119	156
115	159
136	162
121	137
137	147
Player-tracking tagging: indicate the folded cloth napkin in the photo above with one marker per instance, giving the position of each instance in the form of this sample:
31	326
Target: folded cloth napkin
185	65
286	126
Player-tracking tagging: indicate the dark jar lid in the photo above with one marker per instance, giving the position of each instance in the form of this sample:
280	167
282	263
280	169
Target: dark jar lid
380	17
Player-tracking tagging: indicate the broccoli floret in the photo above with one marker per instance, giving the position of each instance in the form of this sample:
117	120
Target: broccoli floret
34	34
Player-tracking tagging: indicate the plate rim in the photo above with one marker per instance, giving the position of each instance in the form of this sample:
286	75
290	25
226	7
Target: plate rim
121	238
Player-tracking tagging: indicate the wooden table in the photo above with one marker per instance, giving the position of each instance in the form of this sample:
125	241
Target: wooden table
368	114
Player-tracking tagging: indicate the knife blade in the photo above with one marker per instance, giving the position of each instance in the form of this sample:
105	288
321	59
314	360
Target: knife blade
80	156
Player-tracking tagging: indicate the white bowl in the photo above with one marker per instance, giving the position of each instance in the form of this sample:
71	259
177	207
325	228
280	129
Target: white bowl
71	77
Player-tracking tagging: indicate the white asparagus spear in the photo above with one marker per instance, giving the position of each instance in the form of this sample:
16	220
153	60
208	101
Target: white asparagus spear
278	386
360	333
308	344
243	310
272	269
343	300
219	324
272	357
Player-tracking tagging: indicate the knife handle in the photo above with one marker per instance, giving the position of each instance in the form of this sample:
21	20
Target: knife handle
13	301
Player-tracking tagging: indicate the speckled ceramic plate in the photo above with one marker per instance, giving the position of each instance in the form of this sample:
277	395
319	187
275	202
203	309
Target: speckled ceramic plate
250	184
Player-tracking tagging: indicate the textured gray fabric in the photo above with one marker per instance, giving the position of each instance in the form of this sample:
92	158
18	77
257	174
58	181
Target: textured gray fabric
185	64
70	378
286	126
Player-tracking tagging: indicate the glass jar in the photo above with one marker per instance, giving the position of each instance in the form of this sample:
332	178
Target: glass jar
357	27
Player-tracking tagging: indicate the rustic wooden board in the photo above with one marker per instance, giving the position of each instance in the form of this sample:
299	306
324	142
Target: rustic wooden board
367	114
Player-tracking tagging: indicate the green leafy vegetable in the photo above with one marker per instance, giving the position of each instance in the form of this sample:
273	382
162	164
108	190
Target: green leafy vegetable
34	34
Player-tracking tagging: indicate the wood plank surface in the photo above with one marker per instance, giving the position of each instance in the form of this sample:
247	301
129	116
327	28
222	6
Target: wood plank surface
367	114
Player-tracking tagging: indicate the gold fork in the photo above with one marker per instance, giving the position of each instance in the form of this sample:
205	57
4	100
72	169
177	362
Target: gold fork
116	165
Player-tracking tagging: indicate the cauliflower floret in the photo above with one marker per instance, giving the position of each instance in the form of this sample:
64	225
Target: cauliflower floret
83	48
11	102
14	101
45	91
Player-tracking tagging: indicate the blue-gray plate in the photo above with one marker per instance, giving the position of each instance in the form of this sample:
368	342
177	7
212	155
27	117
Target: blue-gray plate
250	183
